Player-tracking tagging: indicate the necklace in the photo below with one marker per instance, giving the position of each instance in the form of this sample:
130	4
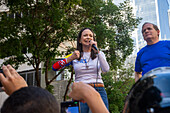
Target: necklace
86	62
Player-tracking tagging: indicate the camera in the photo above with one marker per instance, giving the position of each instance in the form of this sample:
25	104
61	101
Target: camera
70	107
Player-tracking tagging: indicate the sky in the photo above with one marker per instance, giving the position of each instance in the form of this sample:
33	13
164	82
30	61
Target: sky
116	2
119	1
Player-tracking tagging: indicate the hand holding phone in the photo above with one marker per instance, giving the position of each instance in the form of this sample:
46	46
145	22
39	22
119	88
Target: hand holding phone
11	80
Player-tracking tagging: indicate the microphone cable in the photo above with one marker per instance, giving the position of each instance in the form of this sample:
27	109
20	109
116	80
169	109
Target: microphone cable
97	88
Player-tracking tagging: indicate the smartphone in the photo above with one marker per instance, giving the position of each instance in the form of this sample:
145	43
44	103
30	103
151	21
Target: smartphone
70	107
1	71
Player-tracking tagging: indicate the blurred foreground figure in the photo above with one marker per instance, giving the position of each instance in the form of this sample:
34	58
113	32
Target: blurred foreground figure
24	99
30	100
151	93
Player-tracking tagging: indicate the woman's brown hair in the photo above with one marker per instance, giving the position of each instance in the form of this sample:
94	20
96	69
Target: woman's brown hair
80	47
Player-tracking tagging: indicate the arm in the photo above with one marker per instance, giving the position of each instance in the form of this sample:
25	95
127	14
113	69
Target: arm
138	68
138	75
103	63
84	92
102	59
13	81
62	63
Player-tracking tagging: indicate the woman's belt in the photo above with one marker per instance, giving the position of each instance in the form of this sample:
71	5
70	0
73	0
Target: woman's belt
96	84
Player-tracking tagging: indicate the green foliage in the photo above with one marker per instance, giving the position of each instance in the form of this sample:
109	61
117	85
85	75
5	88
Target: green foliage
39	26
118	84
35	33
50	88
113	26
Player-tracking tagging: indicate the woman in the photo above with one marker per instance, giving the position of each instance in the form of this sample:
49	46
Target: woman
87	62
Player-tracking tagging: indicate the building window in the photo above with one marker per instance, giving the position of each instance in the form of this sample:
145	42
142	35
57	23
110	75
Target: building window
29	77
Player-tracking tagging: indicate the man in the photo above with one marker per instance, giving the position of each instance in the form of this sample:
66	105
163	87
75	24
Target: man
155	54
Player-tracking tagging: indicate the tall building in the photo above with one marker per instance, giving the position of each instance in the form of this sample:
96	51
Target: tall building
169	17
154	11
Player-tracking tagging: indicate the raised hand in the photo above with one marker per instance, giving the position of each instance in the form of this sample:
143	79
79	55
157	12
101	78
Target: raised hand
85	93
94	43
13	81
74	56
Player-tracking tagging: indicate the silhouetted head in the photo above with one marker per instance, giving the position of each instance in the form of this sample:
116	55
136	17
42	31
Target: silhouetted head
150	94
30	100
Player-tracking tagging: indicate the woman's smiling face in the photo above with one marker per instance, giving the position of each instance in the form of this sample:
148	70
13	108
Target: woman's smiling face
86	36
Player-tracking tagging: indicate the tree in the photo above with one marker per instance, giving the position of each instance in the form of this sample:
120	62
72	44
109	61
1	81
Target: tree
118	84
113	26
32	30
40	26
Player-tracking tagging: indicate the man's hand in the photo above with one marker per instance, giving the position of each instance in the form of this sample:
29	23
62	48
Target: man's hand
138	75
13	81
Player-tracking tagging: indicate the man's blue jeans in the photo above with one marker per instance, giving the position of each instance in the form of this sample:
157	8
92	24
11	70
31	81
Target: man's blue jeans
84	107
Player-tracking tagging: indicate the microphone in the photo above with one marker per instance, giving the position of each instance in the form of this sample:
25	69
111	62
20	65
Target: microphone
94	46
